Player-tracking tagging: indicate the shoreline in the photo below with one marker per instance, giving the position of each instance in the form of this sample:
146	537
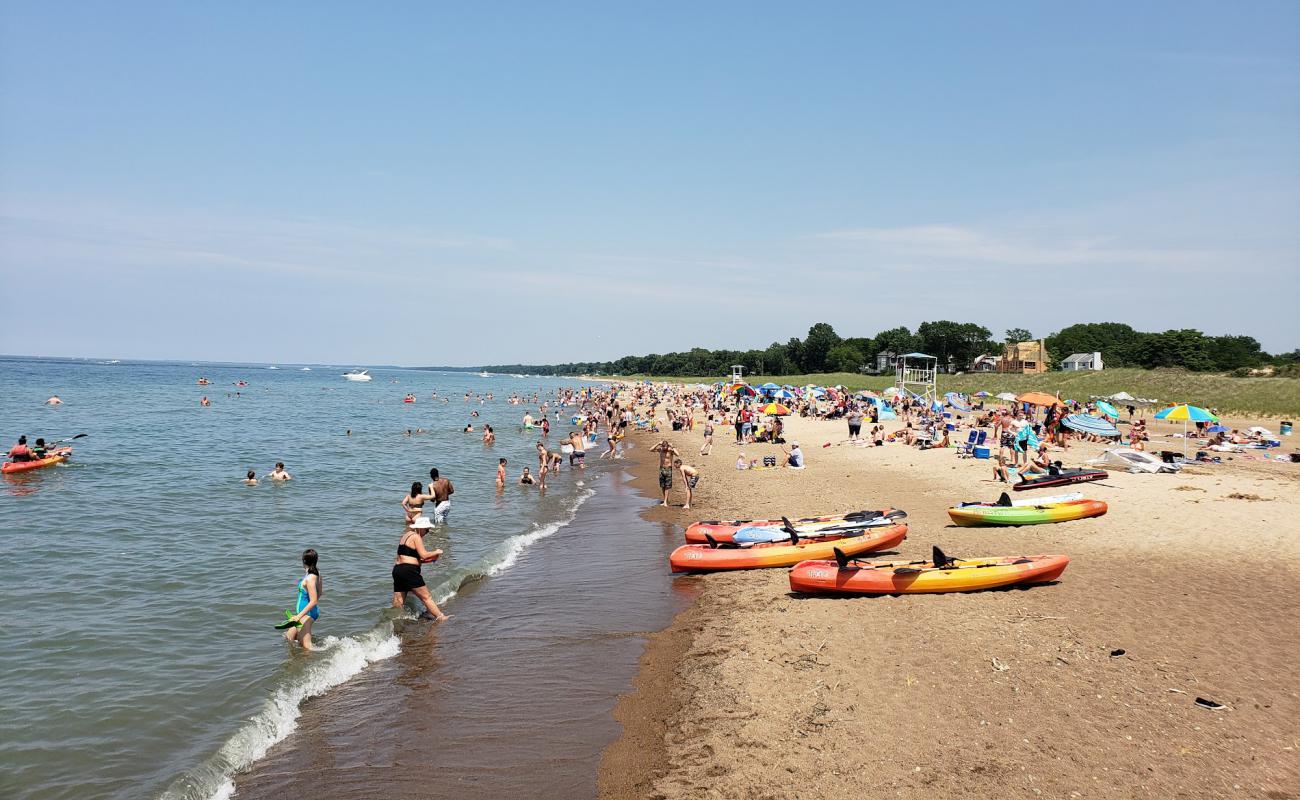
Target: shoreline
750	688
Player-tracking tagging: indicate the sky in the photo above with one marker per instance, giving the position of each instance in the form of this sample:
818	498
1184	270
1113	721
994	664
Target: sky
426	183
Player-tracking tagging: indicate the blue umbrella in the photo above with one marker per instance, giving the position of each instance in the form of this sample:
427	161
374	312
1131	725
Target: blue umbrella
783	394
1107	409
1083	423
769	386
1218	429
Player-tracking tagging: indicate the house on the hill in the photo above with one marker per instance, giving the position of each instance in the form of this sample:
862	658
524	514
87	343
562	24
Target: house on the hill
1082	361
1026	358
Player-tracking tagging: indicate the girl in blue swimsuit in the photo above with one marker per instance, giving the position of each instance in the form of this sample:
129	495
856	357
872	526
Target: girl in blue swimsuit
308	608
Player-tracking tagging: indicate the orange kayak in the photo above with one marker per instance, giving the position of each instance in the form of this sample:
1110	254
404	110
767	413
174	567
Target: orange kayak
845	575
724	530
55	457
707	558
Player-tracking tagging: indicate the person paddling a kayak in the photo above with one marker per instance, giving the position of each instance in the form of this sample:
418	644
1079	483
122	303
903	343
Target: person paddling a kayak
21	452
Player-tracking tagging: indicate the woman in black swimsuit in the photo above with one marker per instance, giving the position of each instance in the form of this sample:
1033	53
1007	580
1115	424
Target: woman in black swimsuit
411	553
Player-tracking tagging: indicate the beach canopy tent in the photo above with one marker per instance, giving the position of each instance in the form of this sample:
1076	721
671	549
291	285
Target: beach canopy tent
1107	409
1187	414
776	409
1039	399
885	411
1084	423
1122	397
1133	461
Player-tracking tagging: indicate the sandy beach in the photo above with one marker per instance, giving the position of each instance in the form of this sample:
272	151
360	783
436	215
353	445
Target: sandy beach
757	693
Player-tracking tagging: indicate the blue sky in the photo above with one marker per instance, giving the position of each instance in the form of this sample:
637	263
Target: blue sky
436	183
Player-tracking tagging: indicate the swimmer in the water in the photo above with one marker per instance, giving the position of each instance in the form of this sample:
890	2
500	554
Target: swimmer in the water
501	474
54	401
251	479
278	474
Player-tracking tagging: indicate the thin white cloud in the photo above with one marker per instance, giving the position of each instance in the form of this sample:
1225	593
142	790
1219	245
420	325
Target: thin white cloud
952	243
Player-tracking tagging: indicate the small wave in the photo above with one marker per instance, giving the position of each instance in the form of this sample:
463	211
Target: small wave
504	555
340	660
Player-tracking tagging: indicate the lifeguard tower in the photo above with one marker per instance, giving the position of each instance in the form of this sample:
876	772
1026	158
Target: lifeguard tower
737	373
916	373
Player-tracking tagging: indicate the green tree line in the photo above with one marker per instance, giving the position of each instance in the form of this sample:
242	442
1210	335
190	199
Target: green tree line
955	344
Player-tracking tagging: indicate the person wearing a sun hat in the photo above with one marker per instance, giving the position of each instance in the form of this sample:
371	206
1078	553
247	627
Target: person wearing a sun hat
411	553
794	456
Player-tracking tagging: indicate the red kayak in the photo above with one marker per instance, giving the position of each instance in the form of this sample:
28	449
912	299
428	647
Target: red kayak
55	457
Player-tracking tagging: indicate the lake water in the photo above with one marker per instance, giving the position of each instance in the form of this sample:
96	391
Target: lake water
139	584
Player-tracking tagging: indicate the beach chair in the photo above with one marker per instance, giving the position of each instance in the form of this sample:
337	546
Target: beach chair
968	450
963	447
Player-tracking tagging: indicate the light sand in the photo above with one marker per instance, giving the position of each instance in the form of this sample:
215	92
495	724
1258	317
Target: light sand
755	693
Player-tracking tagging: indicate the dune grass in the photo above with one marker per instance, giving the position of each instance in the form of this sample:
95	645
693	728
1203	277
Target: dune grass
1271	397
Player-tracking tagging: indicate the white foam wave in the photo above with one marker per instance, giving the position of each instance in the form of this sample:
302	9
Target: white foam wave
508	552
341	659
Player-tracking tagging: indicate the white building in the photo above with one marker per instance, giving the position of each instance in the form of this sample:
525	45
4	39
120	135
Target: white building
1082	361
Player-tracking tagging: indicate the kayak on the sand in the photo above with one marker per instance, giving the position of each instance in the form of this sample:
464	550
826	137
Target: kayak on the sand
725	530
846	575
1064	477
54	457
723	556
781	534
1004	512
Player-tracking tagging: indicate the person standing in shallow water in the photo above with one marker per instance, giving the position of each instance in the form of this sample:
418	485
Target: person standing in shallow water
411	553
442	490
310	589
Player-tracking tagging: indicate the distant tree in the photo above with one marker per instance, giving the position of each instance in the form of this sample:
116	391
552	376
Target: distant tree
895	340
1234	352
1119	344
1186	348
957	343
794	353
821	338
844	358
776	360
1018	335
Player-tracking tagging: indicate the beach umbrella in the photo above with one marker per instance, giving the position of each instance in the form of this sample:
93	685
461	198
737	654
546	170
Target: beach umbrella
1107	409
775	409
769	387
982	394
1187	414
783	394
1217	428
1122	397
1038	399
1085	423
744	389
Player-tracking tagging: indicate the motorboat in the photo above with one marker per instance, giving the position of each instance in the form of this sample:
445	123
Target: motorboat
357	375
485	375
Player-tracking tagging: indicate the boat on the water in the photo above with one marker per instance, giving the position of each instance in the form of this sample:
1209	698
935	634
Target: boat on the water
358	375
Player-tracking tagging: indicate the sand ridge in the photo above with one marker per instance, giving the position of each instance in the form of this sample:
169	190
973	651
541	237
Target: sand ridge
1004	693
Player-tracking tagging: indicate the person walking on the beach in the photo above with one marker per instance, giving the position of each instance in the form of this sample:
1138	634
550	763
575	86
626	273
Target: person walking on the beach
690	477
667	453
708	437
854	418
411	553
442	490
310	589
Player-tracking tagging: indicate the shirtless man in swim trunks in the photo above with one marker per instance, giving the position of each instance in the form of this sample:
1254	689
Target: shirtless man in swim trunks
579	454
442	490
667	454
690	476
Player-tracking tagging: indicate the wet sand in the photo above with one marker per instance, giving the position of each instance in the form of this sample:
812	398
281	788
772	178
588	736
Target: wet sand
757	693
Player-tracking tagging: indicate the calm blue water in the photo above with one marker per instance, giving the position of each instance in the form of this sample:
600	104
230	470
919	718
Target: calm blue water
140	582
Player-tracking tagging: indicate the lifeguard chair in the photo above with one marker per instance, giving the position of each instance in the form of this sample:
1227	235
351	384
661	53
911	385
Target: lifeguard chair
737	373
917	373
